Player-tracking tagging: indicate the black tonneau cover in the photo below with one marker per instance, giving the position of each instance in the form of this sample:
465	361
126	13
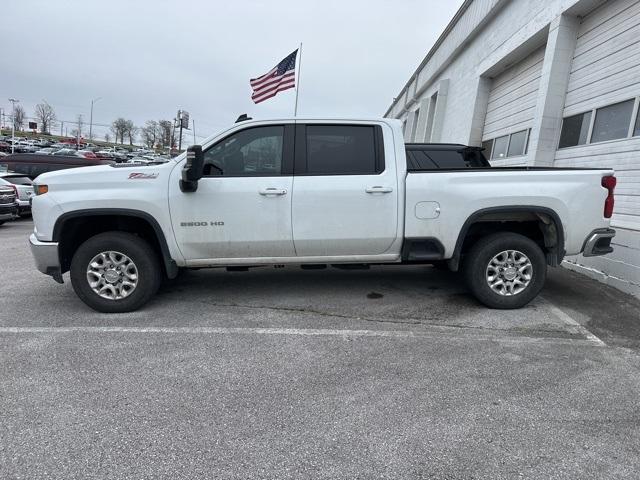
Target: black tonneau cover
422	157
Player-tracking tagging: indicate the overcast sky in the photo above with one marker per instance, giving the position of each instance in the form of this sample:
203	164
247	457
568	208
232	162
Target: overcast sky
148	58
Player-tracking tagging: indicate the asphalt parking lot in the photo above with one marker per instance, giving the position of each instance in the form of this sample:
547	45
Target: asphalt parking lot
282	373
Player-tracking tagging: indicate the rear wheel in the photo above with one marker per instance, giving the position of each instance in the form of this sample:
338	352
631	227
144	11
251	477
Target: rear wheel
115	272
505	270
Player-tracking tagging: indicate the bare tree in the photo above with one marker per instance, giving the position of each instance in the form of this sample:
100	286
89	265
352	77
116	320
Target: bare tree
130	130
107	137
165	128
115	129
45	114
18	117
119	129
150	133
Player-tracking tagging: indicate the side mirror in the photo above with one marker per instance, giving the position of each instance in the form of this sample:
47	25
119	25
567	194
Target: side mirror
192	170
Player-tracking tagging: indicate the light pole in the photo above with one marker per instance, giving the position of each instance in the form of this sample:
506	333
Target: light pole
91	118
13	123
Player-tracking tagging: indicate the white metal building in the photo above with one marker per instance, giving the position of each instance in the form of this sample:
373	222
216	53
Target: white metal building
543	83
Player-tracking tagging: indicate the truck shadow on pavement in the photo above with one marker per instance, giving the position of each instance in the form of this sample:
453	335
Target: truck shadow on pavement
414	297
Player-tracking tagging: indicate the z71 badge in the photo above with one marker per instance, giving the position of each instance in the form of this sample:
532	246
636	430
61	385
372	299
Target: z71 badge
142	176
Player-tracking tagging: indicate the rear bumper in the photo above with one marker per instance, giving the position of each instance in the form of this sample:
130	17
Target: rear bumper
598	242
46	257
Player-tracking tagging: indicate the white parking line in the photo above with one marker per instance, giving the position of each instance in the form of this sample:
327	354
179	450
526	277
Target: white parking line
434	332
566	318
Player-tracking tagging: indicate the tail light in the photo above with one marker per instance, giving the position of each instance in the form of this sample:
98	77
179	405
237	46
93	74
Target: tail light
609	182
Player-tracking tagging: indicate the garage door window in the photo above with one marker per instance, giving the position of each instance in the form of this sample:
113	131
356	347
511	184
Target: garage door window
500	146
517	144
612	122
574	130
341	150
636	128
488	146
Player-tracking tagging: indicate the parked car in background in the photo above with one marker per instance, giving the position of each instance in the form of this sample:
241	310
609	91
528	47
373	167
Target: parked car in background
4	146
86	154
23	187
32	164
113	154
26	146
65	152
46	151
8	204
43	143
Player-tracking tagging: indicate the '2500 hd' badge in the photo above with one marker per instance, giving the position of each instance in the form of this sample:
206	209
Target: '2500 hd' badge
142	176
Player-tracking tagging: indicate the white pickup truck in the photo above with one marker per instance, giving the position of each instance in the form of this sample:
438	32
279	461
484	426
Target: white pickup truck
316	192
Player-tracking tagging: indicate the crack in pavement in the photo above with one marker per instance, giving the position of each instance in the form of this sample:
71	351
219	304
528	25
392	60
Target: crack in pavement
566	333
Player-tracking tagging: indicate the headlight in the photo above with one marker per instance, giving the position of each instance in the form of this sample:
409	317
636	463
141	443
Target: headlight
40	189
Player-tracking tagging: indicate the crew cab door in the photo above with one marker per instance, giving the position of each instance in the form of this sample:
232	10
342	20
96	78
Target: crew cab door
345	195
242	206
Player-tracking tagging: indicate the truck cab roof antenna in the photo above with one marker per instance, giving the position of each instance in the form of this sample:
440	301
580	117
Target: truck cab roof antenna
243	118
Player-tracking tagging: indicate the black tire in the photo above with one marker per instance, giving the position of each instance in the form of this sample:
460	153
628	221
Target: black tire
149	275
476	263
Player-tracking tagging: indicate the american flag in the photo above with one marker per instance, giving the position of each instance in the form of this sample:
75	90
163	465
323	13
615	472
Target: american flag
281	77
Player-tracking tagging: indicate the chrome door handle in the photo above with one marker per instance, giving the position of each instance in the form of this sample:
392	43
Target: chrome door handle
378	189
273	191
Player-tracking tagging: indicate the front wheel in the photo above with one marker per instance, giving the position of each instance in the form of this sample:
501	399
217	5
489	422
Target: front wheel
505	270
115	272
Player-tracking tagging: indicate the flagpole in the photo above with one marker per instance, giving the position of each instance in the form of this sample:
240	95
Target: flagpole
295	110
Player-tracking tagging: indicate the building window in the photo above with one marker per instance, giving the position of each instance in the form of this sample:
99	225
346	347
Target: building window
414	126
500	146
517	144
574	130
487	145
612	122
512	145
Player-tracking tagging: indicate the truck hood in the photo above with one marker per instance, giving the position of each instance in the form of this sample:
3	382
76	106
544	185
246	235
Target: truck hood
106	173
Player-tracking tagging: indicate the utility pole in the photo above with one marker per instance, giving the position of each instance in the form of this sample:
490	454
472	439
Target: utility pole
180	120
13	122
61	127
78	133
91	118
194	131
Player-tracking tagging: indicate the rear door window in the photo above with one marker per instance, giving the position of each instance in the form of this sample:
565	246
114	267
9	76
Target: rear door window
342	150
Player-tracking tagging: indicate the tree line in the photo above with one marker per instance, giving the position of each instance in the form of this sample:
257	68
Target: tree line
154	133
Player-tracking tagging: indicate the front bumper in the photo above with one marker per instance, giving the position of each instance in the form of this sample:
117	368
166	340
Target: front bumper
8	211
24	205
46	256
598	242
